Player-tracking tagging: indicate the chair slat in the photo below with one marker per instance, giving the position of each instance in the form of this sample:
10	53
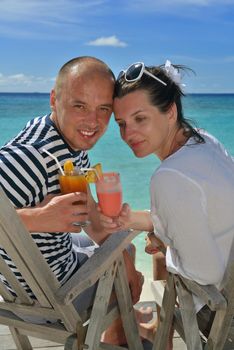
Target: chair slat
30	310
14	283
5	293
209	294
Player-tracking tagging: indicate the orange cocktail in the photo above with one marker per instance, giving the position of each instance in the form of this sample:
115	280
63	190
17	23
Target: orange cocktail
74	182
109	193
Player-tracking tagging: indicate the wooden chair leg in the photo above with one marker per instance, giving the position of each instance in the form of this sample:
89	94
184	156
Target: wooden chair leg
126	308
219	331
188	313
71	343
166	316
21	341
81	332
99	310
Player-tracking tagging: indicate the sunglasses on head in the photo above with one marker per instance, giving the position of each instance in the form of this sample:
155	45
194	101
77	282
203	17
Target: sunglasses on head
135	72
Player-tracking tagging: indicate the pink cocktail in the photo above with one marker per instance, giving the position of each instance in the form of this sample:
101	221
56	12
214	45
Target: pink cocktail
109	193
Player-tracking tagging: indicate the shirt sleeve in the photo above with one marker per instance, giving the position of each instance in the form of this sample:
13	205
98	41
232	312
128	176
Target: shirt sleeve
179	212
23	175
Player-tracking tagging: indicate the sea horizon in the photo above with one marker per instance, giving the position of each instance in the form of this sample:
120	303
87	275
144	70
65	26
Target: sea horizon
47	93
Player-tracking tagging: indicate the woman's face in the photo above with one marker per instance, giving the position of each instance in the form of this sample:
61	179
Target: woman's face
142	126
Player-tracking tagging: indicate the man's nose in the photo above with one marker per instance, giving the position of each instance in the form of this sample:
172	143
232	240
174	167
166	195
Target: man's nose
91	117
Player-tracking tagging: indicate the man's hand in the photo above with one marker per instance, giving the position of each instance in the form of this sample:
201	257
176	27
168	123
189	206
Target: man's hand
56	213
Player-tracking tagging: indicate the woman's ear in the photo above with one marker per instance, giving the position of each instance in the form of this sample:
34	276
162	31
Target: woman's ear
172	113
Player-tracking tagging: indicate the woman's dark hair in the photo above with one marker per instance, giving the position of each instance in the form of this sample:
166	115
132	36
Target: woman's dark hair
161	96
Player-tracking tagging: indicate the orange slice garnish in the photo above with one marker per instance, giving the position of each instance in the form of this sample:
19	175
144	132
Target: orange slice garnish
91	175
68	167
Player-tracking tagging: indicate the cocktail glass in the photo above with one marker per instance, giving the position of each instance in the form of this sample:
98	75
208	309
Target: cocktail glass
109	193
75	181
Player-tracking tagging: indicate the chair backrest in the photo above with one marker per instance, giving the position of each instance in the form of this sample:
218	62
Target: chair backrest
106	266
180	291
21	248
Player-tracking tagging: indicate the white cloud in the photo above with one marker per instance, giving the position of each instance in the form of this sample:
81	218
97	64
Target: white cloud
23	82
75	19
229	59
180	8
156	5
45	19
107	41
43	10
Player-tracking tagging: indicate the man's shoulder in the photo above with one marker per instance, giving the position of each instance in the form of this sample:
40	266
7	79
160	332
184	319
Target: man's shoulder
36	133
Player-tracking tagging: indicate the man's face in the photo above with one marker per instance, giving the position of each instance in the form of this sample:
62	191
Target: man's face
82	108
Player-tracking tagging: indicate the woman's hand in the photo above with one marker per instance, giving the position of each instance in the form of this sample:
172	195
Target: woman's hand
153	244
122	222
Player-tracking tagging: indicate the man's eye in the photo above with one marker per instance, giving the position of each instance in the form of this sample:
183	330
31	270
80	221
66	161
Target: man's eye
105	109
82	107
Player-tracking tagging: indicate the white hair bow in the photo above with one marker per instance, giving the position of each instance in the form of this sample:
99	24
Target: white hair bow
173	73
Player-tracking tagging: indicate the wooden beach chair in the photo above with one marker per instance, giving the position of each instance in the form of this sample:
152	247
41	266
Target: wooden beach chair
178	290
76	331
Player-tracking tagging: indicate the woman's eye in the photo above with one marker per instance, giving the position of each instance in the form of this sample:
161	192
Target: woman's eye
121	124
140	119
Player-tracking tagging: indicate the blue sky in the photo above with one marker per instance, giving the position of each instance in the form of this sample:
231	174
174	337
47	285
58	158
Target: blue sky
38	36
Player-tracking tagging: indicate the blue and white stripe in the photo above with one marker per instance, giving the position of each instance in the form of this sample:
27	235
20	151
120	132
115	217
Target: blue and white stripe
28	174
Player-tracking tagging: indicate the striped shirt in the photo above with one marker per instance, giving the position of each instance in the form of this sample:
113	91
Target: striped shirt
27	175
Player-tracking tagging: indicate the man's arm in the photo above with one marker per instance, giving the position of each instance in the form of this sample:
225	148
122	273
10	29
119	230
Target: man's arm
57	213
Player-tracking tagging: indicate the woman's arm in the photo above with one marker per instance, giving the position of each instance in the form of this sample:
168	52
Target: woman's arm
127	219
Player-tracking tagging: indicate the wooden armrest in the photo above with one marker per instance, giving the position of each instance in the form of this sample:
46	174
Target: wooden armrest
208	293
95	266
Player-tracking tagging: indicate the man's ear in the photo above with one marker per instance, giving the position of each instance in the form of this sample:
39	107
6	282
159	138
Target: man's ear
52	99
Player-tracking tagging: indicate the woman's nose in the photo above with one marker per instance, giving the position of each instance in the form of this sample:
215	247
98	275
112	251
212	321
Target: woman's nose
128	132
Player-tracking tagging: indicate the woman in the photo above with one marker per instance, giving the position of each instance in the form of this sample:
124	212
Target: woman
192	191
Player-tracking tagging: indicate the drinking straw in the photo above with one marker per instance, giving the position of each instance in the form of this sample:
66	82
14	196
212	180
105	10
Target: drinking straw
91	169
56	160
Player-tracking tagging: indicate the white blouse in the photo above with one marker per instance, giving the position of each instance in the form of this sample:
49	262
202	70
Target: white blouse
192	208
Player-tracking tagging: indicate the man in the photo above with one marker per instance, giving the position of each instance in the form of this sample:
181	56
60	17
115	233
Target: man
81	104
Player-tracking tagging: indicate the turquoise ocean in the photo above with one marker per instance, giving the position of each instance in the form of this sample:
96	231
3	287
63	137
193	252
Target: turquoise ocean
212	112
